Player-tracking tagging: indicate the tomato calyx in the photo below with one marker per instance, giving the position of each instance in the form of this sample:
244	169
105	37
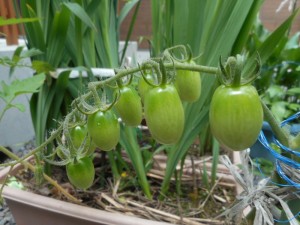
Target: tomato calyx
235	73
148	78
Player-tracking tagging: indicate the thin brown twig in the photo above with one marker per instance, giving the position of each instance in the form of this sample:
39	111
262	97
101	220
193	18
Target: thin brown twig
209	194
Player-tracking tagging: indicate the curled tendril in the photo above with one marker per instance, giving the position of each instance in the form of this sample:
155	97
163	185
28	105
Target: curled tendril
173	74
153	65
187	55
121	84
90	109
144	76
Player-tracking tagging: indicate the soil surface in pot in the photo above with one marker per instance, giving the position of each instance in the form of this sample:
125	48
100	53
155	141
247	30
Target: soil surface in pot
189	203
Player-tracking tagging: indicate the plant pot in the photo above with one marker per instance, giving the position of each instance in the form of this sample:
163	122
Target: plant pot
33	209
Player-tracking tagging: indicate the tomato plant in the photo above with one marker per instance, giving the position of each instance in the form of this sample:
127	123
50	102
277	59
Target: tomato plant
104	129
164	114
60	153
236	116
188	84
129	106
81	172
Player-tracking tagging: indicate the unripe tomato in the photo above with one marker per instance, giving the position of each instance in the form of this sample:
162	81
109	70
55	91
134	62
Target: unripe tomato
104	129
129	107
164	114
236	116
188	84
143	86
81	173
78	135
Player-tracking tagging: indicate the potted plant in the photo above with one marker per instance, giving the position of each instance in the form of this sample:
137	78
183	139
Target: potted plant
100	106
77	157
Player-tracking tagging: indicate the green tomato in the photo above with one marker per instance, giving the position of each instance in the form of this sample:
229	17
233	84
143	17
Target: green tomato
143	86
236	116
129	107
81	173
188	84
78	135
164	114
104	129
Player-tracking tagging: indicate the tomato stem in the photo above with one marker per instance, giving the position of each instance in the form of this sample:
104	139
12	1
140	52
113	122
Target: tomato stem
280	133
163	74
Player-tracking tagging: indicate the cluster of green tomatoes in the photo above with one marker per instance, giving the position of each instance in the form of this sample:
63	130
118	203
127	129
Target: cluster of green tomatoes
235	116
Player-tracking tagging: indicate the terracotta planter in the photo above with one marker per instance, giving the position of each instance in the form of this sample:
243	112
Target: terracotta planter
33	209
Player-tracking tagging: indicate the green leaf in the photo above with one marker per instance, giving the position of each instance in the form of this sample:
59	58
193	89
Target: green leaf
279	110
80	13
18	87
244	32
60	88
15	59
11	21
57	38
42	67
16	56
30	53
293	42
125	10
130	30
129	142
269	45
20	107
293	91
294	106
34	30
275	92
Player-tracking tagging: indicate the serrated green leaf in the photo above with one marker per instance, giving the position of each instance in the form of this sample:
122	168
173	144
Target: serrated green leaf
18	87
